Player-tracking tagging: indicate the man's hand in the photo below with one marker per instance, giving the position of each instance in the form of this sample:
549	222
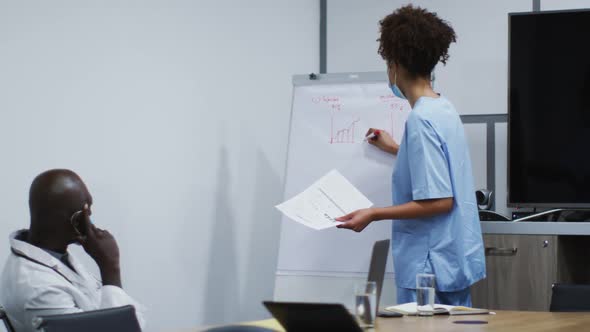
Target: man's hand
357	220
102	247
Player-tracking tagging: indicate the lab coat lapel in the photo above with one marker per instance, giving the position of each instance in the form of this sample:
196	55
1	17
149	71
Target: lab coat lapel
84	278
76	277
39	256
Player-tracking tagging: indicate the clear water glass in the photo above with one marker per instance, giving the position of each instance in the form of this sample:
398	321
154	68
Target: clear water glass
425	292
365	300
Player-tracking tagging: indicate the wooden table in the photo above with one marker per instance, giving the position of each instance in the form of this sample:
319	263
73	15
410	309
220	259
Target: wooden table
523	321
503	321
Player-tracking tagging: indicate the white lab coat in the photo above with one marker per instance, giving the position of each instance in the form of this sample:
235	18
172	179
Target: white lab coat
43	285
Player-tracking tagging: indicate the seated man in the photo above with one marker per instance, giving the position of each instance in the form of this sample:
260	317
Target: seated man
40	277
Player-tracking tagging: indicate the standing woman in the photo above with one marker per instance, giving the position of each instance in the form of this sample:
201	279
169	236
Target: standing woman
436	226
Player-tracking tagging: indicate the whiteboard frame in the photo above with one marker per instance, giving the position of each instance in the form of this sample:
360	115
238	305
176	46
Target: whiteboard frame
340	78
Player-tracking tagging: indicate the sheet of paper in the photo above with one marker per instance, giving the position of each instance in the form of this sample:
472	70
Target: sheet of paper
411	309
330	197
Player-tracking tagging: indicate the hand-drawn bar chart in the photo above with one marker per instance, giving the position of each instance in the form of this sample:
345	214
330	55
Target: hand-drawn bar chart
344	135
348	124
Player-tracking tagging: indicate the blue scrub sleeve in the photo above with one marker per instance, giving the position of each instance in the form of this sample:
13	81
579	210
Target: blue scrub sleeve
429	165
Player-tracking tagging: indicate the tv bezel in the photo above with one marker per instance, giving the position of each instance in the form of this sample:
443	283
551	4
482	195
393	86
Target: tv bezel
509	202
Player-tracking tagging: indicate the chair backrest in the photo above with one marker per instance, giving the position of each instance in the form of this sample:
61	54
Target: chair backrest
120	319
6	321
570	298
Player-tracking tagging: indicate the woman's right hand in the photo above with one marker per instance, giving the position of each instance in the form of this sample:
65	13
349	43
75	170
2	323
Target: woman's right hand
382	140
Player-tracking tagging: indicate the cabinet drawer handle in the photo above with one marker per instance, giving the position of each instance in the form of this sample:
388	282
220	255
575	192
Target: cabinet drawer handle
494	251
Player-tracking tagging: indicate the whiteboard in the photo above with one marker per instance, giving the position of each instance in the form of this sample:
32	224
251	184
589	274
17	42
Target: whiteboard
330	116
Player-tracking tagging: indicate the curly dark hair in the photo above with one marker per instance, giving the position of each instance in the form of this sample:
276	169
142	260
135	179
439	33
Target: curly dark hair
416	39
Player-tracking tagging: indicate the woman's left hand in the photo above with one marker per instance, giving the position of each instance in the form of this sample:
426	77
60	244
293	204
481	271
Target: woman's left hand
357	220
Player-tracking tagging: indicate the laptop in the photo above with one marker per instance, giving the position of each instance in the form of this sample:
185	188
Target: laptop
312	317
378	265
298	316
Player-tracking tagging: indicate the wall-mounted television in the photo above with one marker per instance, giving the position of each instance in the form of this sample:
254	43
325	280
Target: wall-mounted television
549	109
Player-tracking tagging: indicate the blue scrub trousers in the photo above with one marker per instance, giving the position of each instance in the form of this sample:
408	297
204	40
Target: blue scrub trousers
458	298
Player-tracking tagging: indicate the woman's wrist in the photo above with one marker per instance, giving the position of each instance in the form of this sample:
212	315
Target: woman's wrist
379	214
393	149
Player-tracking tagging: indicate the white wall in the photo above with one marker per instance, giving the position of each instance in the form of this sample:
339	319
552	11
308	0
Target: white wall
176	114
564	4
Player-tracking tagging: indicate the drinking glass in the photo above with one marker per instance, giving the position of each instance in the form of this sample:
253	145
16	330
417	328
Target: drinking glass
425	294
365	309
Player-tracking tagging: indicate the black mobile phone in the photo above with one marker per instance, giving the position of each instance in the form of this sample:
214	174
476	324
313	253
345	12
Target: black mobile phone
77	220
388	314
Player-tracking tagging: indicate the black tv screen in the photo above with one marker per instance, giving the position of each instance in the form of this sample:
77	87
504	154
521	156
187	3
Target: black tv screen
549	109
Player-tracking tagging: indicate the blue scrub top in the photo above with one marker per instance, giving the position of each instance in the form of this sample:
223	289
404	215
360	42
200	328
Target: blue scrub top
433	162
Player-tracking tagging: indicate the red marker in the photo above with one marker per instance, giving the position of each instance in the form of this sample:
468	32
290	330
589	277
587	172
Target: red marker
372	135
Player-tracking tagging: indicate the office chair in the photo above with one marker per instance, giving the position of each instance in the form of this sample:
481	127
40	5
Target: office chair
6	321
570	298
121	319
